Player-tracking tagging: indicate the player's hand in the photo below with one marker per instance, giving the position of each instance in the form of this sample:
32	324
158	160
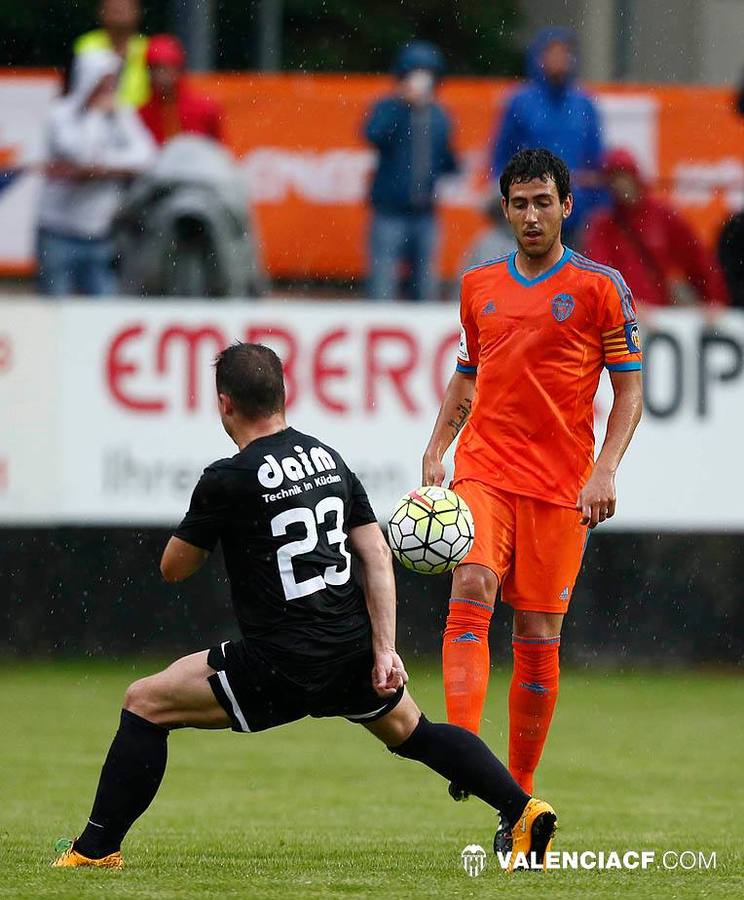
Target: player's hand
432	469
388	673
597	499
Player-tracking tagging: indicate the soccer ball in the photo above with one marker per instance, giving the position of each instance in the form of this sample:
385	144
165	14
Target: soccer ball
431	530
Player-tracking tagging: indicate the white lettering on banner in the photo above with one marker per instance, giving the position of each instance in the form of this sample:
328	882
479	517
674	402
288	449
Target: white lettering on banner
325	177
127	400
337	175
697	183
274	175
341	176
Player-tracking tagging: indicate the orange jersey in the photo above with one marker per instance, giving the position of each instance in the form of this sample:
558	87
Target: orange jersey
538	347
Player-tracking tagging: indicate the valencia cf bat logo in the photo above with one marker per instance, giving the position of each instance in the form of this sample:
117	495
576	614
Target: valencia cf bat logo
562	306
633	337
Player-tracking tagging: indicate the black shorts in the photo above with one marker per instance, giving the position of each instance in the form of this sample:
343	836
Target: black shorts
259	692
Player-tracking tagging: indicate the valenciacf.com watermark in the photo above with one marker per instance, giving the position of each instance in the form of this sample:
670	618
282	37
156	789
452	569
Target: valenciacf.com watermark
474	860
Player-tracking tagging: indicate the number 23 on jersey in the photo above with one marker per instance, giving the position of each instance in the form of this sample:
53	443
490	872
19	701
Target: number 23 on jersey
335	536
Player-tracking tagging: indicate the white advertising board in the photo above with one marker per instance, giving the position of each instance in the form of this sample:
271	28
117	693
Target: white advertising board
138	400
29	427
107	409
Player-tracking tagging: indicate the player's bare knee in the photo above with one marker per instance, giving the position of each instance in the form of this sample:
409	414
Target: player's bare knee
397	726
530	624
141	699
475	583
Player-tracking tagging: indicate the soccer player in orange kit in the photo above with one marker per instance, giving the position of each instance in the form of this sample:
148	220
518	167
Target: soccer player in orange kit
538	326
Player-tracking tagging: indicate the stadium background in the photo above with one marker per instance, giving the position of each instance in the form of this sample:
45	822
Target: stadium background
113	419
90	483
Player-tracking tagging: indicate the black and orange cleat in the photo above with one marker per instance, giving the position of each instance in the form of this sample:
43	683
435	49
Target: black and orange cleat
69	858
531	835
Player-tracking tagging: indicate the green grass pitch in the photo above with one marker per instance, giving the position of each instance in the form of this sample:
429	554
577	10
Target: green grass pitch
320	809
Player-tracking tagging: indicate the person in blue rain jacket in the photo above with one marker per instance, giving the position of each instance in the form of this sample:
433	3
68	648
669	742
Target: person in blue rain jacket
551	111
411	132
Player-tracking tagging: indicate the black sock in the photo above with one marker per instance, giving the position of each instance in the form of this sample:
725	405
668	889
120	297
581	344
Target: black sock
130	778
461	756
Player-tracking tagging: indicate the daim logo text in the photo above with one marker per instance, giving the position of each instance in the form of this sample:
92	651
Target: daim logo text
273	472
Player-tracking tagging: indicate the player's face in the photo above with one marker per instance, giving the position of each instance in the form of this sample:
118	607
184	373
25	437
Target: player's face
536	214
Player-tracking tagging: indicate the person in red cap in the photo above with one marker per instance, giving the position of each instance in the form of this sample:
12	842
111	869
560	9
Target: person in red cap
174	107
659	254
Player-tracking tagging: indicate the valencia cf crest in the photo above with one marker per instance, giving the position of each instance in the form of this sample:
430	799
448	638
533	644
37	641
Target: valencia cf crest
562	306
633	337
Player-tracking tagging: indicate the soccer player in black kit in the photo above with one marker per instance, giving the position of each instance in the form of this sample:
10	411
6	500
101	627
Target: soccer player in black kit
289	513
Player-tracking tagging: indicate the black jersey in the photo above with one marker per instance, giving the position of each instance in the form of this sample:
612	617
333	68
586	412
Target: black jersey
282	509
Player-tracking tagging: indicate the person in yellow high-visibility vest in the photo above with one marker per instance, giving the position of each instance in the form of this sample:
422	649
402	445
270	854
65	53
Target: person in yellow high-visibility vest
119	20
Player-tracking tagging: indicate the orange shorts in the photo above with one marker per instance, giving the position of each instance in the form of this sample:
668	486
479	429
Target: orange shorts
533	547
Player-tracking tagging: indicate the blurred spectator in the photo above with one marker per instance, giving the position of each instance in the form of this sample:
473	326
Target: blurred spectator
95	145
551	112
650	243
495	240
731	256
731	240
119	20
185	229
740	97
411	133
174	107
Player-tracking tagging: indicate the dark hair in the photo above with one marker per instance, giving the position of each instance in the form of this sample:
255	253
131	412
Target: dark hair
251	375
528	164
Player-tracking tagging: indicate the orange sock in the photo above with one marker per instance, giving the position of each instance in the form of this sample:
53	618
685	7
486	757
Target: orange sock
466	661
532	697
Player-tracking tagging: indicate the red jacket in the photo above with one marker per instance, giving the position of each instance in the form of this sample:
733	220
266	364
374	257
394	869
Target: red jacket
653	246
191	112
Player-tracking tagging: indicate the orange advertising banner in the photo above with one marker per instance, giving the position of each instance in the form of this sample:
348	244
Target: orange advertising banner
298	142
300	139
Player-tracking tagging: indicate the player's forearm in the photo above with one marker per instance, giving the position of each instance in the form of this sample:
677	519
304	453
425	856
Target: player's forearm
454	413
624	418
379	592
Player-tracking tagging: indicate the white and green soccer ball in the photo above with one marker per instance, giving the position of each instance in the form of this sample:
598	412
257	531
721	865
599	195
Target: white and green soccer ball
431	530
